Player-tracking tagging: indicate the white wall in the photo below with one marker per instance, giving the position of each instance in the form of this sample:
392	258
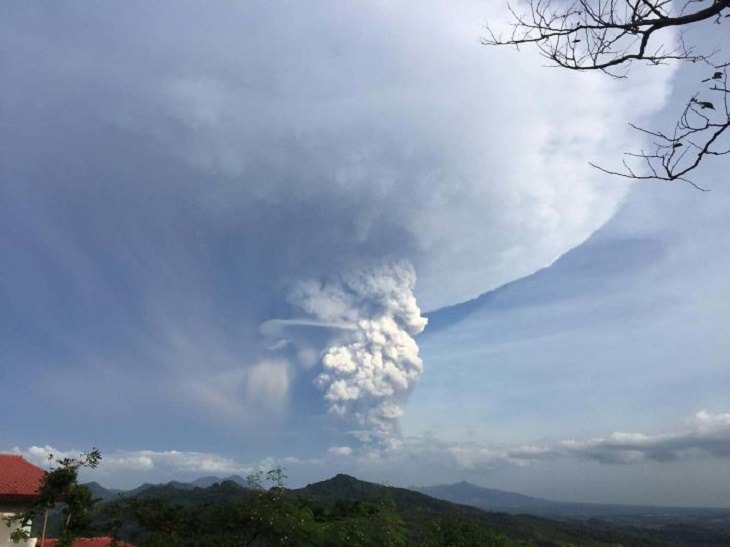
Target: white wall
6	530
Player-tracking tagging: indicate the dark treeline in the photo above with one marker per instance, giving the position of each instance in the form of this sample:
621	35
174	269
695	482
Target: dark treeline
344	511
229	515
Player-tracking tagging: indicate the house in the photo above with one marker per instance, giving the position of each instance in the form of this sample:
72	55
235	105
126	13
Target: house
19	484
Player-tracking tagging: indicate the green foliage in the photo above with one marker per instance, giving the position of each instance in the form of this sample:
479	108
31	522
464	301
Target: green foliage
276	516
60	487
347	511
455	532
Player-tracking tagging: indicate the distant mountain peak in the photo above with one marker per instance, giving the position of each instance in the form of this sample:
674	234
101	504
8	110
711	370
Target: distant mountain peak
345	477
478	496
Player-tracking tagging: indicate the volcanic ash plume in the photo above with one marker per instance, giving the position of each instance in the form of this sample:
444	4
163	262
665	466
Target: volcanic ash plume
368	370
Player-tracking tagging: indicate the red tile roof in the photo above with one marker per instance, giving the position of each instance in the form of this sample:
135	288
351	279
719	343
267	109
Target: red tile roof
18	478
86	542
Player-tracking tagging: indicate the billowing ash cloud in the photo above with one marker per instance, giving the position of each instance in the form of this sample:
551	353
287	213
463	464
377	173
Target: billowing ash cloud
367	370
176	168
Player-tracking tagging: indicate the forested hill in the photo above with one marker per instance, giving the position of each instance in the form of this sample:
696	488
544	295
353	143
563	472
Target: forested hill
347	487
346	511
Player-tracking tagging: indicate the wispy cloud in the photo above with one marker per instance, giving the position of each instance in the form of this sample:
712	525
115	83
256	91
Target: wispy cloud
153	463
708	435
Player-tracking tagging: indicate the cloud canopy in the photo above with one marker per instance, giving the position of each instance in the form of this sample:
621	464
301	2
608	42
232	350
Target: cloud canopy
175	180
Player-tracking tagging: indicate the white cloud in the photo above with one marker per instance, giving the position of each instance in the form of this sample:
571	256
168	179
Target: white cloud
162	462
707	436
130	468
339	450
697	442
706	423
267	385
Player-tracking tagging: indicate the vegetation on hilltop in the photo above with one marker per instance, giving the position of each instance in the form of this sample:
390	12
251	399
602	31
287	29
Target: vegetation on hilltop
347	511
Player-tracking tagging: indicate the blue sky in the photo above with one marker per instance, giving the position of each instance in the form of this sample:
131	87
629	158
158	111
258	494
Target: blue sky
221	228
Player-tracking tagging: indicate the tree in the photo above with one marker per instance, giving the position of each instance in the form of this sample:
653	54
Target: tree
609	36
60	486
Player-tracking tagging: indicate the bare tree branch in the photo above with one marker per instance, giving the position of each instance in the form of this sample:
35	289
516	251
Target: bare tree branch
608	36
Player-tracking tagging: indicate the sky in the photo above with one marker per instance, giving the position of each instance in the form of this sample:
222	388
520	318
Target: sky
242	235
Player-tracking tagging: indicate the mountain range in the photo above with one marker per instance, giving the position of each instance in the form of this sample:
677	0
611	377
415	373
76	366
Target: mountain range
520	517
462	493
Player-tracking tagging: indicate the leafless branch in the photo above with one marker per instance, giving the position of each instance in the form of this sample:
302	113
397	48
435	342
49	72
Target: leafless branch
610	35
601	34
698	133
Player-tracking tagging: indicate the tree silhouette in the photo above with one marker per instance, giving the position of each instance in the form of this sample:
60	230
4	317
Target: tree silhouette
60	487
609	36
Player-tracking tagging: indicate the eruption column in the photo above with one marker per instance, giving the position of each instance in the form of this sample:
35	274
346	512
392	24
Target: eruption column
369	370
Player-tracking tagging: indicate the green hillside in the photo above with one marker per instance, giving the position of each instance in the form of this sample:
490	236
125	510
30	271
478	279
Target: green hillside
346	511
